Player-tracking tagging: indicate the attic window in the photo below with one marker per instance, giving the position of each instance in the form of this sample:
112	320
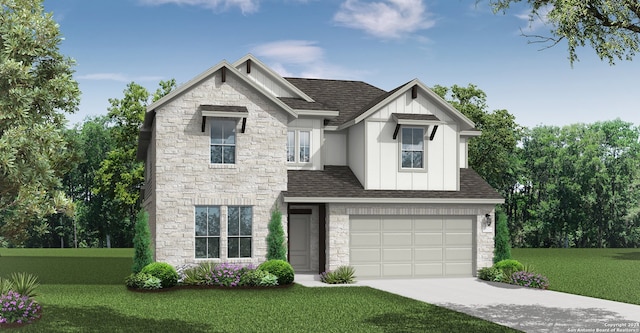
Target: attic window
224	111
413	119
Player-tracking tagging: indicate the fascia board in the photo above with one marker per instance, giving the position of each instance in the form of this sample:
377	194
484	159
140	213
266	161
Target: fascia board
392	200
317	113
273	75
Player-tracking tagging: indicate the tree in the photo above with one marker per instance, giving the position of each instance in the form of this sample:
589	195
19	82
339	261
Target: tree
502	249
611	27
121	176
143	254
36	90
276	248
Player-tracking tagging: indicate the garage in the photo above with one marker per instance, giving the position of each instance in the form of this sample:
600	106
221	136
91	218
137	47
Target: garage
411	246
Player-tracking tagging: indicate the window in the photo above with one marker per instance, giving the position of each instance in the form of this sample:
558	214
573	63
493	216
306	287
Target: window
412	147
239	225
207	232
298	146
223	141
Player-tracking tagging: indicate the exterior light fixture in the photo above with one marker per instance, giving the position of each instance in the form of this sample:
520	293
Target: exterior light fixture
487	219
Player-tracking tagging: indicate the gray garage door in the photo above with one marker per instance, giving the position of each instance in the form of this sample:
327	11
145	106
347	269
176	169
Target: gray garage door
411	246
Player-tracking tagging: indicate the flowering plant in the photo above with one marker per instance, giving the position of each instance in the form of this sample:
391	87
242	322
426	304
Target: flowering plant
531	280
15	308
226	275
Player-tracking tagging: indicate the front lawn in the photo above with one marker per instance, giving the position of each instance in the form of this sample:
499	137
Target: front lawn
86	306
603	273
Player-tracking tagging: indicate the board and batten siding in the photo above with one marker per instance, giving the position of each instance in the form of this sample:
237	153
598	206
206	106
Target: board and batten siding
335	148
356	155
263	79
464	152
383	152
315	126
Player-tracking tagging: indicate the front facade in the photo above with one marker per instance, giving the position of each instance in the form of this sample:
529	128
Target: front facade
364	177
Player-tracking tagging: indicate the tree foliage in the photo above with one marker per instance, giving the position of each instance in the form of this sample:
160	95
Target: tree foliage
276	248
610	27
143	254
502	249
36	89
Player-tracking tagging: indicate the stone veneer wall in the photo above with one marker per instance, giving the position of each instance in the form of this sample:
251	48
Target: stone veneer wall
338	226
185	178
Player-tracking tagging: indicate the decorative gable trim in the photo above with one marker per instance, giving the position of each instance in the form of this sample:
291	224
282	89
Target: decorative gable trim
253	61
413	119
224	111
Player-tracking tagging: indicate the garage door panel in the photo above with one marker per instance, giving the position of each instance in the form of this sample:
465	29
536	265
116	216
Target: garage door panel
458	269
365	224
372	270
365	239
453	239
433	254
428	224
457	224
366	255
396	239
457	254
397	270
397	224
427	239
397	255
428	270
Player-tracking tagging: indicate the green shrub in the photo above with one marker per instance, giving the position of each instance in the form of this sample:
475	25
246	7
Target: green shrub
25	284
269	280
253	277
279	268
490	274
152	283
508	267
142	255
276	247
5	286
342	274
137	280
163	271
502	250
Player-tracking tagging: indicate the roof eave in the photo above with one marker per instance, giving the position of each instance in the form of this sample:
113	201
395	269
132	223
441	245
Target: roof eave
392	200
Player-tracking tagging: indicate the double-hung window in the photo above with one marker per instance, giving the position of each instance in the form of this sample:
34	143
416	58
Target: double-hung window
223	141
207	232
239	228
412	154
298	146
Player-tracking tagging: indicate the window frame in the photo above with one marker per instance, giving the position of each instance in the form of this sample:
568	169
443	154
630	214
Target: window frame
208	237
297	147
240	236
214	122
424	130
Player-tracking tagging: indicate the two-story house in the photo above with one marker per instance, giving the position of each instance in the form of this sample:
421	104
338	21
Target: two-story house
375	179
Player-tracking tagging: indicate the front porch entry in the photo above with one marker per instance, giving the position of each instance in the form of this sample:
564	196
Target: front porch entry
306	238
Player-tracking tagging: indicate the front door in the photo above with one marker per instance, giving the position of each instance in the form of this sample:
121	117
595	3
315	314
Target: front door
299	248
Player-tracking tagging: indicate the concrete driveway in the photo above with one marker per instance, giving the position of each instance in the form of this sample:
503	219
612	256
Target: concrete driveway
529	310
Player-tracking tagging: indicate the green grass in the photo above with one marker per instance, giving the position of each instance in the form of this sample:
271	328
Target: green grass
109	308
83	291
603	273
69	266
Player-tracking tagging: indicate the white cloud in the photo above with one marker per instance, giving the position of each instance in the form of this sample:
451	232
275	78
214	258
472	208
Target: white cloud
302	58
386	18
246	6
118	77
536	21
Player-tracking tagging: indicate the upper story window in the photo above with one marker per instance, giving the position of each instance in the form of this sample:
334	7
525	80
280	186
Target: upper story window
223	141
299	146
412	154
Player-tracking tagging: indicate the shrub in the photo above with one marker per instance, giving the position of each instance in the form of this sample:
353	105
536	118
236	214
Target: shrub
253	277
226	275
502	248
276	248
24	284
137	280
152	283
16	308
342	274
5	286
279	268
508	267
269	280
163	271
529	279
490	274
142	255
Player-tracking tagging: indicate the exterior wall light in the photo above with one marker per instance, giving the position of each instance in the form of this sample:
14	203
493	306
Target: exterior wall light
487	219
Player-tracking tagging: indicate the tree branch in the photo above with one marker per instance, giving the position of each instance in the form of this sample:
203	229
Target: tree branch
605	21
541	40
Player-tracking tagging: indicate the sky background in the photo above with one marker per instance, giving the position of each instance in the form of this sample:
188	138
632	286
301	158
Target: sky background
383	42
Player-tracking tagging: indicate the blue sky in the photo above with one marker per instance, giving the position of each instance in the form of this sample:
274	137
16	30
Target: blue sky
383	42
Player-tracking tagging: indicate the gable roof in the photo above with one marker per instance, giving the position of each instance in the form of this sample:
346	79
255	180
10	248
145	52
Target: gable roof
339	184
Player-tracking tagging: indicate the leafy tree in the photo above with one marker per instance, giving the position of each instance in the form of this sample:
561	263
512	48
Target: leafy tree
143	254
502	248
276	248
611	27
36	89
120	175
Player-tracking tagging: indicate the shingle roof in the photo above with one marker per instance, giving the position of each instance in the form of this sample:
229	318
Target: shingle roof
415	116
351	98
340	182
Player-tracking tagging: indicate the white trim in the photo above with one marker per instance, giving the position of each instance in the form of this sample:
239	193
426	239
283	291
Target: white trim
331	128
296	164
473	132
224	114
415	122
425	130
273	75
319	113
391	200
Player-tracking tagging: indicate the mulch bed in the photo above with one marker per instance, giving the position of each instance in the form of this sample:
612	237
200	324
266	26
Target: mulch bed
207	287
